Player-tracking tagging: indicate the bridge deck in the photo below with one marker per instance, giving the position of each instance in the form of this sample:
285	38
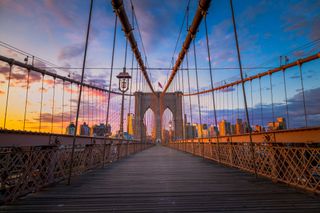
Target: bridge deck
161	179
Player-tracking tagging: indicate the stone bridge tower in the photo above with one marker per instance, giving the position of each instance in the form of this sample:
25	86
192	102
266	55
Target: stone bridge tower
158	103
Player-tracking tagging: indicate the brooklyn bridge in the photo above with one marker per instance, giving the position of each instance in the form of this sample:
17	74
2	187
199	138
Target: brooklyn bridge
101	117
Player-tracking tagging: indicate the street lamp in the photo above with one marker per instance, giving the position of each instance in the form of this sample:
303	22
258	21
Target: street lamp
124	79
170	131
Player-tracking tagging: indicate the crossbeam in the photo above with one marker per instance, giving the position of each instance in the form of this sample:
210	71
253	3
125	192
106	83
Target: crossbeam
128	30
200	13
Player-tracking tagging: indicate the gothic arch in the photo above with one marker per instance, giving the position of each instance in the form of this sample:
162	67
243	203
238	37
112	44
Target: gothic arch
158	103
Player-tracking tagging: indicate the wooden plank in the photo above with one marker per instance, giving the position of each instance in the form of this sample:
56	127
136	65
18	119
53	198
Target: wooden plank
161	179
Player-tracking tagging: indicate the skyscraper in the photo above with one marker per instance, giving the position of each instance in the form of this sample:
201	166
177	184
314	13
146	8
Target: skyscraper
130	123
224	128
70	129
84	129
99	130
278	125
213	131
239	127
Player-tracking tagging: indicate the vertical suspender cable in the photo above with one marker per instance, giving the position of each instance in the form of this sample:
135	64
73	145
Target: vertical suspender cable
62	109
223	110
111	70
96	107
7	99
79	98
132	60
212	85
26	102
188	75
100	105
189	90
243	89
261	109
71	102
227	110
92	108
53	97
286	96
88	106
83	106
197	81
183	107
137	75
252	120
232	118
110	80
271	93
303	96
238	106
40	117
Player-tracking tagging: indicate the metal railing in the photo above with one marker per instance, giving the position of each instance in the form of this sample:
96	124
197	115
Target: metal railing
297	165
27	169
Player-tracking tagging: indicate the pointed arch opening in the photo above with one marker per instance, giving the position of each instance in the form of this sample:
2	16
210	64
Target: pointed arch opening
168	126
148	128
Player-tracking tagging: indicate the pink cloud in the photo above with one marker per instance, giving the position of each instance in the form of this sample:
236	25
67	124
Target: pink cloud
59	10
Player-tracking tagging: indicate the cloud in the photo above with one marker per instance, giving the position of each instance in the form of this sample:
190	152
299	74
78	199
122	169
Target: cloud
158	27
35	76
4	69
70	52
304	19
60	11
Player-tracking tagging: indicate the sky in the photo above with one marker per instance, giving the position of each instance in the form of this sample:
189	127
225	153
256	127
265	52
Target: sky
54	30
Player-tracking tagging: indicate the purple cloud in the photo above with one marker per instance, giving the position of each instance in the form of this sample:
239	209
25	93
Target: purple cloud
70	52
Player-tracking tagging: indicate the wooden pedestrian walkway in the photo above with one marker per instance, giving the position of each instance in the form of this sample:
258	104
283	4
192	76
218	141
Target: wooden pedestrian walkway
161	179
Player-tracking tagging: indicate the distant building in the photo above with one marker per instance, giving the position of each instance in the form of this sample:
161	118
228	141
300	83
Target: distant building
205	133
224	128
99	130
239	127
259	128
233	129
70	129
199	130
278	125
245	127
281	123
84	129
130	123
190	131
213	131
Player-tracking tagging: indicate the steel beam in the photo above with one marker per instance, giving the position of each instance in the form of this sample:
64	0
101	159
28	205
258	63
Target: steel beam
11	61
128	30
269	72
200	13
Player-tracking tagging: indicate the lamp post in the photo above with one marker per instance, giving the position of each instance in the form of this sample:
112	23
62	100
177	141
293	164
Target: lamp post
170	131
124	79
